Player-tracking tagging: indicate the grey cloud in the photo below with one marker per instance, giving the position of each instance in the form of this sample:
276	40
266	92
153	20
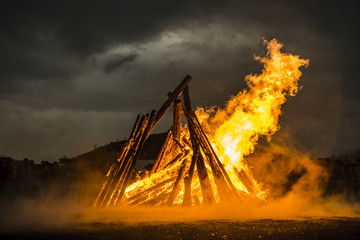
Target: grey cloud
117	62
50	134
68	56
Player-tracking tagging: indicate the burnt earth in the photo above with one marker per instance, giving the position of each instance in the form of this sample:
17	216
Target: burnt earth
326	228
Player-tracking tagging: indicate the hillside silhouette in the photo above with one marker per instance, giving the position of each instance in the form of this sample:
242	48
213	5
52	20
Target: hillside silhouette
101	157
78	178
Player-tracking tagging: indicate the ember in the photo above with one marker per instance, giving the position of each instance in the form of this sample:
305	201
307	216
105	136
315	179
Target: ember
203	163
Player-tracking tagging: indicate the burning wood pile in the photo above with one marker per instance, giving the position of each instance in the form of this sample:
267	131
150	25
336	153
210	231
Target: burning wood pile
188	170
184	150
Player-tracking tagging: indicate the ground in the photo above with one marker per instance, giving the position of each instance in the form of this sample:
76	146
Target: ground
310	228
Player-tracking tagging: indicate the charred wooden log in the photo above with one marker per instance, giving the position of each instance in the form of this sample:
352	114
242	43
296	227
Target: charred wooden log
116	166
187	192
207	192
176	189
151	195
135	199
161	153
216	158
177	120
136	155
197	159
173	96
187	99
135	127
245	180
124	170
175	160
145	135
188	180
105	188
158	200
226	189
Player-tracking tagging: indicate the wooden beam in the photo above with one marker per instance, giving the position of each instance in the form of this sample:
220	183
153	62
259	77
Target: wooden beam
158	200
162	152
175	188
176	159
187	192
126	172
173	96
186	97
217	161
135	156
225	187
144	195
245	180
144	137
177	120
208	195
207	192
188	179
135	126
117	165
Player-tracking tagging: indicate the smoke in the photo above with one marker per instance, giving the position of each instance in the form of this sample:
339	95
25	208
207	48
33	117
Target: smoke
294	181
296	190
47	196
36	214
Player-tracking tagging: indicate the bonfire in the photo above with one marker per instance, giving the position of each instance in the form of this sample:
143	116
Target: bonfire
203	162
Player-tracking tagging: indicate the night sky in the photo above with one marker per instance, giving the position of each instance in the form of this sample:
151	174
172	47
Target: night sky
74	74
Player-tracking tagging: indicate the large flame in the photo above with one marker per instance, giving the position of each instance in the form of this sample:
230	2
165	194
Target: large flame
252	113
255	111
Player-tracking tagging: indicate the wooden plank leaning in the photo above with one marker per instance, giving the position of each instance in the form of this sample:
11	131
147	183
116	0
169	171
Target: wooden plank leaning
137	153
132	156
122	167
116	165
197	160
217	160
225	191
172	97
175	190
249	185
160	156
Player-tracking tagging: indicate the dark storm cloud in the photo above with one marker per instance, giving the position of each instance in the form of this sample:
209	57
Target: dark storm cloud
87	27
97	62
40	38
117	62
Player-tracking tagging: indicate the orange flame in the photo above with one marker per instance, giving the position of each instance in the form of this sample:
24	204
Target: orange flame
252	113
255	111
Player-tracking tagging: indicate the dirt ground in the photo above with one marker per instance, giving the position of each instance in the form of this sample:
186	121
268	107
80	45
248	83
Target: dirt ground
320	228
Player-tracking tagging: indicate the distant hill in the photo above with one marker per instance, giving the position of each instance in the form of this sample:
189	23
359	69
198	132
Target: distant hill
78	178
101	157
